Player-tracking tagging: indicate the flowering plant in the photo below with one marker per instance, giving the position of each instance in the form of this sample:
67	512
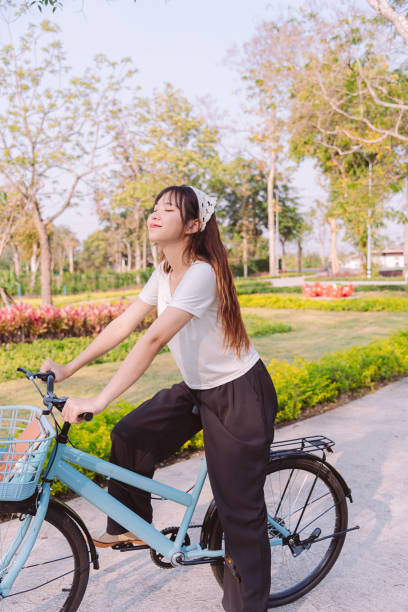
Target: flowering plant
24	323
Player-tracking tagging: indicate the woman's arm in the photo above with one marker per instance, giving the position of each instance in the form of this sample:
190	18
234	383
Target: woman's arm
112	335
135	364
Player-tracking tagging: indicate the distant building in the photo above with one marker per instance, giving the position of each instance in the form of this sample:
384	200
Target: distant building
389	261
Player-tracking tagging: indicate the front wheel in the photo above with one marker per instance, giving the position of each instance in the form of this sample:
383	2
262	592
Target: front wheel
56	573
305	497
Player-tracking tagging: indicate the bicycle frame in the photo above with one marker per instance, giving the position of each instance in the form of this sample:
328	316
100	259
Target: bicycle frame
61	457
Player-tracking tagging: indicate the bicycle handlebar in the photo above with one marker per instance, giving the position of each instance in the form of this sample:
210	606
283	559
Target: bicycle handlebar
50	399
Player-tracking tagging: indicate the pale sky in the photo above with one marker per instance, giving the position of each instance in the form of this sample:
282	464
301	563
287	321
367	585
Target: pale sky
184	42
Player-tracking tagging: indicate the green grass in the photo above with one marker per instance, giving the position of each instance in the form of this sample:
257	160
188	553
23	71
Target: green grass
31	355
313	334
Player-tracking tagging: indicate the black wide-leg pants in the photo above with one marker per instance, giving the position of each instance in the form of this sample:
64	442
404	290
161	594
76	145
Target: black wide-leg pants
237	420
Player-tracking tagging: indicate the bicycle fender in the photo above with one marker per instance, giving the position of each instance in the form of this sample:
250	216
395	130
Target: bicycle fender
329	466
208	523
61	507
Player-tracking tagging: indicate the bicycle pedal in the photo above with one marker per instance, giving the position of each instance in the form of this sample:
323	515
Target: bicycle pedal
126	546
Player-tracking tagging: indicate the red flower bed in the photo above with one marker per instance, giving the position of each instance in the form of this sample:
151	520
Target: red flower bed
24	323
331	291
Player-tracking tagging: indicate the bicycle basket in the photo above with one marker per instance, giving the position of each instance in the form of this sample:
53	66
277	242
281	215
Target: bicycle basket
25	437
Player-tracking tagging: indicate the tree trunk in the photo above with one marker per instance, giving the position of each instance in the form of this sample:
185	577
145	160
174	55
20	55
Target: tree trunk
154	254
16	259
271	200
33	266
137	236
299	255
406	237
334	260
283	268
144	247
129	256
6	298
60	270
138	264
70	254
45	256
245	251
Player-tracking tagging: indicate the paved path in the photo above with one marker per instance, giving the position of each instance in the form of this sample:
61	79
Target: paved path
371	574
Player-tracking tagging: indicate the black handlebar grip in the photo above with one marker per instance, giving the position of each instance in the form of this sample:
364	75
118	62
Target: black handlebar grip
24	371
87	416
50	382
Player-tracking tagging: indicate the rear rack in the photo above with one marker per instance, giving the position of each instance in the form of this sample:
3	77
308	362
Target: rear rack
307	444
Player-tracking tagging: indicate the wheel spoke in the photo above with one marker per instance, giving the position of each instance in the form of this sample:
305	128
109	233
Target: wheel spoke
299	491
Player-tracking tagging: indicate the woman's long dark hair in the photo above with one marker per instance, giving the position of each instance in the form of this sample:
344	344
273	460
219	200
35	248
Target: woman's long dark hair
207	246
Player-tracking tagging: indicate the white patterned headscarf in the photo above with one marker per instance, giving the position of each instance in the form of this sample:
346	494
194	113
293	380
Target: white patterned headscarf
206	206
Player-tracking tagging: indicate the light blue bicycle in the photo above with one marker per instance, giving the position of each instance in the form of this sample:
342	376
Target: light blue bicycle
46	550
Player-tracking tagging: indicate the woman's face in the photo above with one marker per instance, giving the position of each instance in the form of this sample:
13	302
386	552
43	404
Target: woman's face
164	223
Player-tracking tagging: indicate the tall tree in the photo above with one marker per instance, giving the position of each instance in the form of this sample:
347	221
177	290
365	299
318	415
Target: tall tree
244	212
363	169
158	141
267	65
291	222
52	135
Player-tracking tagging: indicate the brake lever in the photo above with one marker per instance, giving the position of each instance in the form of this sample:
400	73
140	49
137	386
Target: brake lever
59	403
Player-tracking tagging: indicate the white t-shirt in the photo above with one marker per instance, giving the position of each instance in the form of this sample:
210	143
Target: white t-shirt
198	347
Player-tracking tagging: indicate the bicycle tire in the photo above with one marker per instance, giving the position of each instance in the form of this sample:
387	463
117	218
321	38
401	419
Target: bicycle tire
64	593
303	466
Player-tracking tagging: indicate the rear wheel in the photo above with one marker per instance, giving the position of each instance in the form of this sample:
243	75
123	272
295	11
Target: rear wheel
57	569
304	496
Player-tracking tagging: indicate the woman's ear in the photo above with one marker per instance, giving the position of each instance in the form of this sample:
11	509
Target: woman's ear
193	226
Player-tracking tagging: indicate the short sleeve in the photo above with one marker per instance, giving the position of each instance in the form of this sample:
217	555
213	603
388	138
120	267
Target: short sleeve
150	291
197	290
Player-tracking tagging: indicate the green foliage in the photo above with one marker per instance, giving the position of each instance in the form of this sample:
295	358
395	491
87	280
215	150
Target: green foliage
363	288
32	355
54	4
254	266
249	286
390	304
100	279
257	326
299	385
303	384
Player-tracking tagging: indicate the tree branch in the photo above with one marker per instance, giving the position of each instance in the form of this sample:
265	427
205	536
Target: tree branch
400	22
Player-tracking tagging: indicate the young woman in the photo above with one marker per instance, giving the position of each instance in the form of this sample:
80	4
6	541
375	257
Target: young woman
226	389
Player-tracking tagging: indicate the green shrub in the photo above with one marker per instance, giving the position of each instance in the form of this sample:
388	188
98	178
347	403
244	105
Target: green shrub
362	288
390	304
249	286
304	384
299	385
32	355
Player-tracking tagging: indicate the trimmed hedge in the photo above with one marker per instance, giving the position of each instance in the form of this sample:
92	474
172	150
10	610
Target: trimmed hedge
32	355
390	304
299	386
303	384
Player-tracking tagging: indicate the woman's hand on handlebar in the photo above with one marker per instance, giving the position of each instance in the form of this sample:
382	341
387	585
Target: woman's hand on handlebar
75	406
61	371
